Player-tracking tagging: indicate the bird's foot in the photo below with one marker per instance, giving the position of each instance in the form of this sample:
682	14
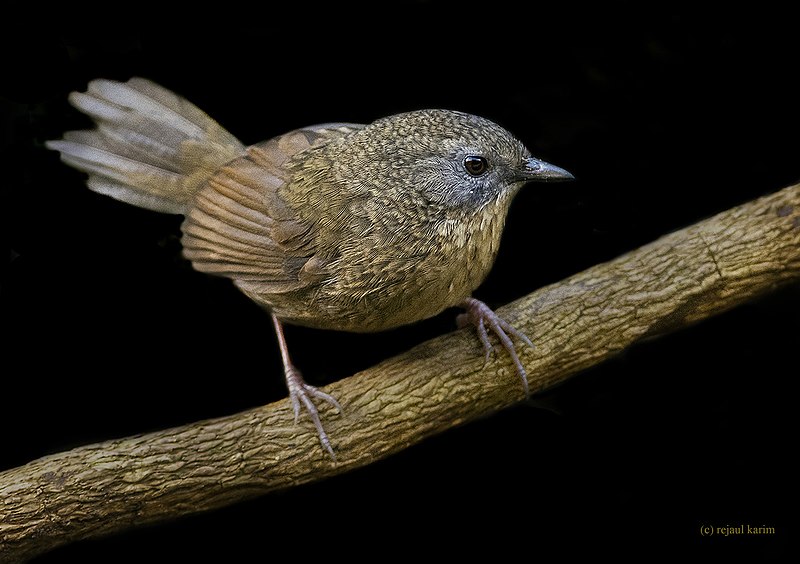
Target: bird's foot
481	316
303	394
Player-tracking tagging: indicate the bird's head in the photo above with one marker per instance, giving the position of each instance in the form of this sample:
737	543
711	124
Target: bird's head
457	159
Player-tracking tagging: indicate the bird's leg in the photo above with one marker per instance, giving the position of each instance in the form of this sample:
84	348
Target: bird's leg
300	392
481	316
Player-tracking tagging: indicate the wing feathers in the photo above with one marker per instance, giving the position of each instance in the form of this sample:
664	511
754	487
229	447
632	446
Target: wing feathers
234	229
239	227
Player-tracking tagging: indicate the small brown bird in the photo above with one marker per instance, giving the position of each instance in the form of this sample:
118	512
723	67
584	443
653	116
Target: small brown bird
335	226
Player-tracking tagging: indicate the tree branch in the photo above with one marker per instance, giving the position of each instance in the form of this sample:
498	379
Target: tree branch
675	281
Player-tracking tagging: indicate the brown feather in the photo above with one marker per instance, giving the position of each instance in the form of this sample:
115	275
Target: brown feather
239	226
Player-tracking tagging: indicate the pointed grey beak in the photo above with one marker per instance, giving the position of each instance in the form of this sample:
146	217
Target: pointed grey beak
535	170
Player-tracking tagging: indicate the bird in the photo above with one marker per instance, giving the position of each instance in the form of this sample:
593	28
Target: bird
338	226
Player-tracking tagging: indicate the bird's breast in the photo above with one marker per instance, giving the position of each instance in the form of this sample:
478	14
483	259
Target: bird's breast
473	242
415	275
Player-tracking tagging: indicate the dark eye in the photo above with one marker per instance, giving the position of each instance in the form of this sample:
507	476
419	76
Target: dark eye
475	165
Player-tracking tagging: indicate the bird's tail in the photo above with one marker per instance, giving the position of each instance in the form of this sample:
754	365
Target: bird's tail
151	148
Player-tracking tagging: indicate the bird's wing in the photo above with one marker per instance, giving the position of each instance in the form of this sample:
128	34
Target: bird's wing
239	227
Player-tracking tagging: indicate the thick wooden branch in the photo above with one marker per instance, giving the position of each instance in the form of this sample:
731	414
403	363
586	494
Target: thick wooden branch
677	280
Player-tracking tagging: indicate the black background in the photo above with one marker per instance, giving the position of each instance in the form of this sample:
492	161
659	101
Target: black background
665	115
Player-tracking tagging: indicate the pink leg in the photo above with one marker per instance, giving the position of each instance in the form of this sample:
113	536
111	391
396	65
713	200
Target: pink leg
480	316
300	392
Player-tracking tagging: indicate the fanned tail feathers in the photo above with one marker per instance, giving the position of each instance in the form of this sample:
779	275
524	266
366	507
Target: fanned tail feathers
151	148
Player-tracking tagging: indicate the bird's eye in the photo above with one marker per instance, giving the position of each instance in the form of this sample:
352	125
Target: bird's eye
475	165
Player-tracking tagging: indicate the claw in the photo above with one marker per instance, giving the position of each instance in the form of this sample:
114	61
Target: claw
484	337
480	315
302	393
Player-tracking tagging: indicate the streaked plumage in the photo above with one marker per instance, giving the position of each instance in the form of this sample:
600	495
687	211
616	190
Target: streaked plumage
335	226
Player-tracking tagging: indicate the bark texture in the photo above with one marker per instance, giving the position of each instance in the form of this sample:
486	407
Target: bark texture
675	281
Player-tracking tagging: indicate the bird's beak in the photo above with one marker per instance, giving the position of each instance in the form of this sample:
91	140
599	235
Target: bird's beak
534	170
